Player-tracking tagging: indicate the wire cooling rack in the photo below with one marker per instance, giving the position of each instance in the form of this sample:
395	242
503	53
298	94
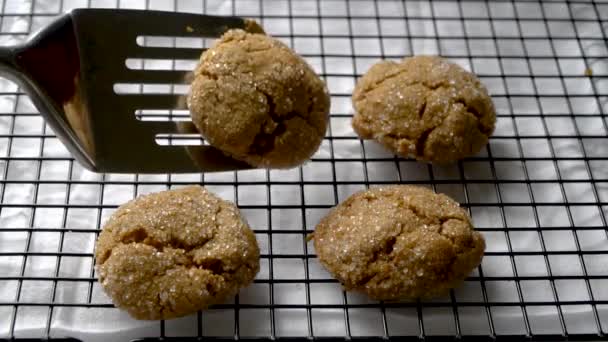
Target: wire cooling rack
538	192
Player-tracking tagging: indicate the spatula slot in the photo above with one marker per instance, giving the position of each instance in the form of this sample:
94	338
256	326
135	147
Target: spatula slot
153	101
174	41
155	77
162	115
160	64
147	88
163	52
164	139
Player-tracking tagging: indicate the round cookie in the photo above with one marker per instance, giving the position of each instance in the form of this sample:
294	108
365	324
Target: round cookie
257	101
171	253
424	108
398	243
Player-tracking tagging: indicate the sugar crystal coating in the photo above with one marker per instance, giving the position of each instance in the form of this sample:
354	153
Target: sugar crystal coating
425	108
398	243
171	253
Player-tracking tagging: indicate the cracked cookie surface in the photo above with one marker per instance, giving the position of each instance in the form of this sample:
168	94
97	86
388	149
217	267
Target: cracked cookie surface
171	253
257	101
425	108
398	243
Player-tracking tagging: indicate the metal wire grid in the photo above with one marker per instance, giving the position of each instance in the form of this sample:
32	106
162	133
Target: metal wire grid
538	192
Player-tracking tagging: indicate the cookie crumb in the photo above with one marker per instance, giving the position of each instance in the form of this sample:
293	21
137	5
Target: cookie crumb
252	26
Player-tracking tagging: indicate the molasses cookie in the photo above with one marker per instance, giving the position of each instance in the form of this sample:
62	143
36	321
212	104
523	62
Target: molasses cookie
398	243
424	108
256	100
171	253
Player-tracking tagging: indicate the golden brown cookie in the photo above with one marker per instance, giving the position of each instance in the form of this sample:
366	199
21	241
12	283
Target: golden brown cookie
256	100
424	108
398	243
171	253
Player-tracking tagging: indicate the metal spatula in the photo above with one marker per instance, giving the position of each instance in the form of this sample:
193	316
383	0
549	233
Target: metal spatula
69	70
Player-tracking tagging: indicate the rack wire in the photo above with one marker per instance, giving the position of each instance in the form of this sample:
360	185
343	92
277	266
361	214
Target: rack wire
538	192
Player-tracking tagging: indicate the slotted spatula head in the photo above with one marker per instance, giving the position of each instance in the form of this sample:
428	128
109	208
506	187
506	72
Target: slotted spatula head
70	69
